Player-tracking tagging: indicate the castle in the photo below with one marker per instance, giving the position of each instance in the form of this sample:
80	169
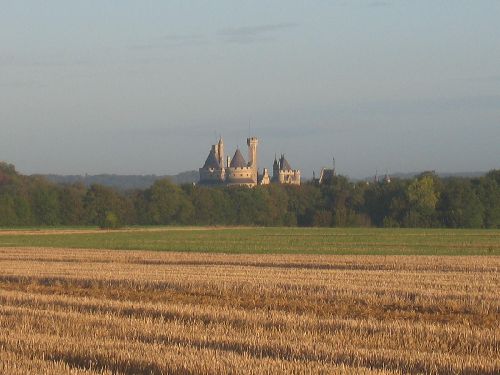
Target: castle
236	171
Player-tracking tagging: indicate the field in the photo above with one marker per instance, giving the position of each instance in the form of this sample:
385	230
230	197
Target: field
249	301
339	241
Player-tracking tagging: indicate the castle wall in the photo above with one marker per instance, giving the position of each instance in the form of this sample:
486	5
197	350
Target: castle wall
212	176
241	175
289	177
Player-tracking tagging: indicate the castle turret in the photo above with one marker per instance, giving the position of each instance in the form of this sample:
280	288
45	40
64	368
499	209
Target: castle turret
252	152
265	179
220	152
252	157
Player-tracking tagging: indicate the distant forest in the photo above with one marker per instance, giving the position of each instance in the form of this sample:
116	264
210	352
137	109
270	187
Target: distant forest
426	200
122	182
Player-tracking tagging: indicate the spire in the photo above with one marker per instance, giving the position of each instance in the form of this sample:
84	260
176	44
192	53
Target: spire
275	164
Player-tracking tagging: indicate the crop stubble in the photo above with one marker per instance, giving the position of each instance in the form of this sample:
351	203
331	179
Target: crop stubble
102	312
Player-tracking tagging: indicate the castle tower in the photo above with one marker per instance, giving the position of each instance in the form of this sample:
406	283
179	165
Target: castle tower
252	156
220	152
252	152
265	179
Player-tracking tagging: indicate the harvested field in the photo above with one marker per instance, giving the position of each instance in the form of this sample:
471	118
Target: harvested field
131	312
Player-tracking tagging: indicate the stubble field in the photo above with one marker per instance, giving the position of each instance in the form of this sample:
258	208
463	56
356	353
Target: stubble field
90	311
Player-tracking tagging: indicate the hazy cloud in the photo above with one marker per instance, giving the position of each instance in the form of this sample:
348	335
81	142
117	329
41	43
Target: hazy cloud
428	105
20	84
251	34
42	61
369	4
172	40
378	4
7	60
167	132
486	79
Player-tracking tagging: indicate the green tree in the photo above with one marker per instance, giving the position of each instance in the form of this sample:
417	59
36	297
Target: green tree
278	203
422	198
488	190
71	206
322	218
111	221
99	200
8	215
45	203
211	206
459	205
168	204
245	208
386	203
303	202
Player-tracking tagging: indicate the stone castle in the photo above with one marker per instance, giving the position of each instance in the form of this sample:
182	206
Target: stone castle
236	171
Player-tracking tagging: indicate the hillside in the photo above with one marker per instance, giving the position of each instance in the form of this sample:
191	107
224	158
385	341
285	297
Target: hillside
123	182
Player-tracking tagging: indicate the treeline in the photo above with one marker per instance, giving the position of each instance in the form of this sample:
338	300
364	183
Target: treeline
121	182
425	201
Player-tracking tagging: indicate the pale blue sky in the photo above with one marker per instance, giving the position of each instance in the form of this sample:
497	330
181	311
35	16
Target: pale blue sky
143	86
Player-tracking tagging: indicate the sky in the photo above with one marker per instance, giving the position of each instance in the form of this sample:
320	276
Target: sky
146	87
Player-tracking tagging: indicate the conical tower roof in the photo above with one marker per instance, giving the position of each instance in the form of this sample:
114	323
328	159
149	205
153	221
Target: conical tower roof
211	161
238	160
285	165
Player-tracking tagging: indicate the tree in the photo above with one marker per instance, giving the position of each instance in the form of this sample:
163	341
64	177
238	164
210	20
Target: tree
245	208
322	218
8	216
422	198
303	203
111	221
494	174
488	191
168	204
15	197
45	203
278	203
99	201
71	204
386	203
211	206
459	205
